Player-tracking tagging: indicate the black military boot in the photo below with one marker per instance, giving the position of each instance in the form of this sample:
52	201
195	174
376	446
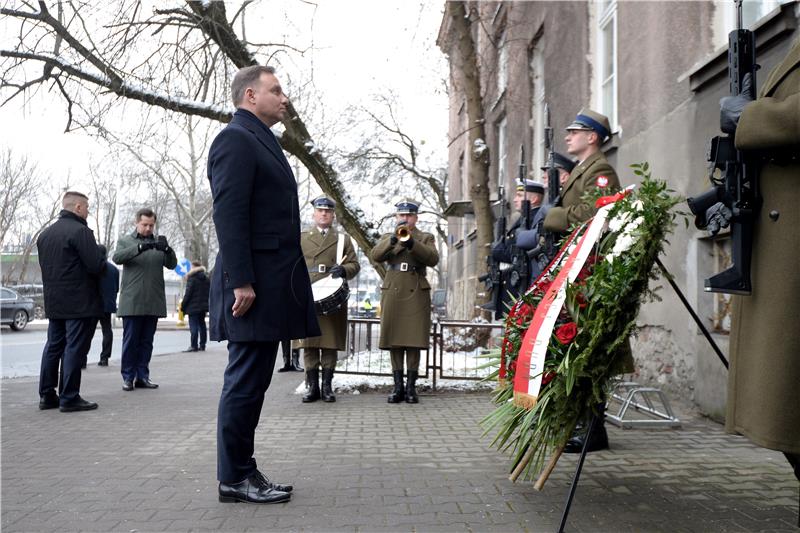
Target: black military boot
399	391
327	386
312	378
287	363
296	360
598	438
411	387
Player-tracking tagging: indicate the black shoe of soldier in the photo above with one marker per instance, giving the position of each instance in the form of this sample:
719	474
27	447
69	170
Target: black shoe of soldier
48	401
145	384
270	485
78	404
251	490
103	361
190	349
127	385
598	440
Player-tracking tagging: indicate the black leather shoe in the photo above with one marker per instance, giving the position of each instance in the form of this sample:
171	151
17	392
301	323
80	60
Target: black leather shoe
598	440
103	361
190	349
251	490
78	404
145	384
48	401
127	385
270	485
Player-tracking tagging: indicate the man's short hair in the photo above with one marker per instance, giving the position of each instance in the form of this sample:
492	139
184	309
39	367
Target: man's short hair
145	212
196	263
73	198
247	77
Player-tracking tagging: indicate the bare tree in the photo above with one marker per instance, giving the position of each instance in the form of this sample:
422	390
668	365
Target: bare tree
465	64
18	182
127	53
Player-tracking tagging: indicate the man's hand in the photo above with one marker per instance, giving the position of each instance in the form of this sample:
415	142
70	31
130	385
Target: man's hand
409	244
731	107
337	271
161	244
144	246
718	216
243	300
393	240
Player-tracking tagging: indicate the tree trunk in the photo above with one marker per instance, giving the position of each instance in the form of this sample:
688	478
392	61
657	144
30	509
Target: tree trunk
466	64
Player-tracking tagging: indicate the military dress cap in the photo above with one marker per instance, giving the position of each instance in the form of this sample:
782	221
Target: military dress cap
531	186
323	202
591	120
407	206
562	161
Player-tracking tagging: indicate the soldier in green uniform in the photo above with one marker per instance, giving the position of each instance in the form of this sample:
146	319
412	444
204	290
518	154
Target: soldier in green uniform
406	296
320	246
587	133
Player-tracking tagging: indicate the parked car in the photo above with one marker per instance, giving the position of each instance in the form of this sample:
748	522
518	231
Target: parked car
36	293
15	310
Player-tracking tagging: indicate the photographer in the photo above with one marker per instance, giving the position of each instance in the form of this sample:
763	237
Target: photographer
142	300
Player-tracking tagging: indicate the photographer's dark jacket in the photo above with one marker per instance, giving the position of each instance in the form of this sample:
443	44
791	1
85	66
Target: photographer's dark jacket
142	292
71	264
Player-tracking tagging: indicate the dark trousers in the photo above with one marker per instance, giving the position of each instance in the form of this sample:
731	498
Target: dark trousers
137	346
68	343
108	336
247	378
197	327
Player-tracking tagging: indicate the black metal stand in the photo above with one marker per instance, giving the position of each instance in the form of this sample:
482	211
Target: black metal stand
595	420
691	312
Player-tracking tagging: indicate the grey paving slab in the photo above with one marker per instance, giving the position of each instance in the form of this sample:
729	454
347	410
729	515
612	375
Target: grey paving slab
145	461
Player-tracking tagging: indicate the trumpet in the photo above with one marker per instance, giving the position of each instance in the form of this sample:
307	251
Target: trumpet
402	233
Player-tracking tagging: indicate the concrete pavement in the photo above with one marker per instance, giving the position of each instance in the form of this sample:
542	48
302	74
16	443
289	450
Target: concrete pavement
145	461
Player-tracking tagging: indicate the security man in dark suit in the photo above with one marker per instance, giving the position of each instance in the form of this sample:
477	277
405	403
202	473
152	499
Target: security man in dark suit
405	296
260	290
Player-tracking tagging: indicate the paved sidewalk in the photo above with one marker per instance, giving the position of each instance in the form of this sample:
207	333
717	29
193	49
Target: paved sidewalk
145	461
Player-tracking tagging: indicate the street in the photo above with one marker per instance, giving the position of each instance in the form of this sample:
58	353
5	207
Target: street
21	351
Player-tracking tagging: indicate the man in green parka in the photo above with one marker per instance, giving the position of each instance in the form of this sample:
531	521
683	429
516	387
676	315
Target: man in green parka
765	339
405	296
141	299
320	248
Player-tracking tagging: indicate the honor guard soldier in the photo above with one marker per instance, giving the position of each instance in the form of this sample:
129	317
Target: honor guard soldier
406	296
321	245
513	278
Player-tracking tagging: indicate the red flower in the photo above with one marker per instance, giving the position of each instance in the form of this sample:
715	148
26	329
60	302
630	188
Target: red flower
513	366
567	332
580	300
544	286
547	378
524	313
585	272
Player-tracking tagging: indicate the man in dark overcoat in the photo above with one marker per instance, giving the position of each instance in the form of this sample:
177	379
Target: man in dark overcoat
320	248
109	288
195	305
260	289
406	296
71	263
765	340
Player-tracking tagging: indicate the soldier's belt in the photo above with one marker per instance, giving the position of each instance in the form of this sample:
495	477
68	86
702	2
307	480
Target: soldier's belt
321	269
405	267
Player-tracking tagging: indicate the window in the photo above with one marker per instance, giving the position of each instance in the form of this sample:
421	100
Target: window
539	155
726	18
502	64
463	179
502	153
607	60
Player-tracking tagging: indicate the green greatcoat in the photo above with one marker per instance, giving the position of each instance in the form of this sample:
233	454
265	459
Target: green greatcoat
319	250
142	292
406	296
764	375
584	177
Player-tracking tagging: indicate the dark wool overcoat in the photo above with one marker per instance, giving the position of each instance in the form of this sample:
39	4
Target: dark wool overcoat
764	375
257	220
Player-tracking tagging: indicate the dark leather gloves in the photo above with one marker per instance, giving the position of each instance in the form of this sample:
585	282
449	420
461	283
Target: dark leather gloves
718	216
337	271
393	240
731	107
408	244
144	246
161	244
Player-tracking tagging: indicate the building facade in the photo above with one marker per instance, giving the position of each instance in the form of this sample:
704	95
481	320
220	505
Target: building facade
657	70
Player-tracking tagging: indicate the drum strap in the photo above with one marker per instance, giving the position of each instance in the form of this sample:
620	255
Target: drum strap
340	249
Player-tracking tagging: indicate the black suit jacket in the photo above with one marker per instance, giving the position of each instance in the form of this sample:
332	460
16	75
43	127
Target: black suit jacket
257	219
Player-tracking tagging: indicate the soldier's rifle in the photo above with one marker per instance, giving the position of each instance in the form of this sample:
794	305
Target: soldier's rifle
548	241
519	272
738	188
492	280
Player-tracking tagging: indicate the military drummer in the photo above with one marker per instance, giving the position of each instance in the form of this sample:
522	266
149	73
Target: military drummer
320	247
405	296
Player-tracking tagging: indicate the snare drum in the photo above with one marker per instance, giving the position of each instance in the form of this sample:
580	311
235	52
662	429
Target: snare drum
330	294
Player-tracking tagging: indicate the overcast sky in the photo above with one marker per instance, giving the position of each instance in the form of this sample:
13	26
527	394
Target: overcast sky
361	48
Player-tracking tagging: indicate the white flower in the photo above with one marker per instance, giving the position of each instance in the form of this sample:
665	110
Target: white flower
619	221
638	205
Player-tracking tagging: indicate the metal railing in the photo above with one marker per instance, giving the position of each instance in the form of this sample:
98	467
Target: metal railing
457	350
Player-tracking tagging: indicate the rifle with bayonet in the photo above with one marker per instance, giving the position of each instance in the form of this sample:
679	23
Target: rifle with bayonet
492	280
548	241
519	274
